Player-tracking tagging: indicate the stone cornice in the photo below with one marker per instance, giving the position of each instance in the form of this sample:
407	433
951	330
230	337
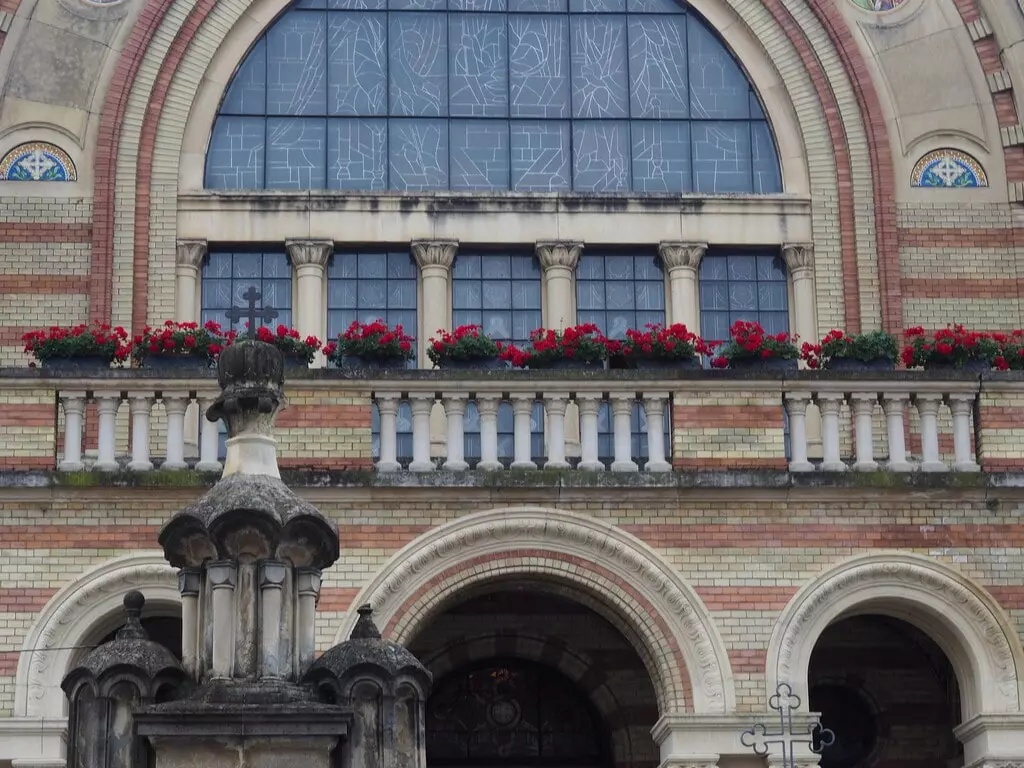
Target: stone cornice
556	254
434	253
309	252
190	253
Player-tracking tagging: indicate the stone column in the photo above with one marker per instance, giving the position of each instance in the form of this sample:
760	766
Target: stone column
559	260
309	257
435	258
188	258
189	583
74	412
799	258
141	406
682	262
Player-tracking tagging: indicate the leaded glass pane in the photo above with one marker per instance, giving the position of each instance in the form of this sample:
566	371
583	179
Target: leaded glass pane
500	292
537	6
721	157
539	66
368	286
767	174
418	152
718	88
601	151
540	156
747	285
357	152
478	66
296	65
357	64
418	64
657	67
617	292
479	154
248	92
296	153
237	153
228	275
599	84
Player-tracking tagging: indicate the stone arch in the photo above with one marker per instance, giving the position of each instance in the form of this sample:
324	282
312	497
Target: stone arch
963	620
88	606
606	568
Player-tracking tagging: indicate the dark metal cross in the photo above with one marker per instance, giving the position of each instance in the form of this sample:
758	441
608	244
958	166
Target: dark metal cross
251	313
784	702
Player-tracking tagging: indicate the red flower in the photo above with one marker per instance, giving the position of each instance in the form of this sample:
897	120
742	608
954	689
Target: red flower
719	362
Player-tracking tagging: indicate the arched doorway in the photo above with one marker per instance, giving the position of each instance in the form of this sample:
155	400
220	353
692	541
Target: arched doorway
888	692
524	676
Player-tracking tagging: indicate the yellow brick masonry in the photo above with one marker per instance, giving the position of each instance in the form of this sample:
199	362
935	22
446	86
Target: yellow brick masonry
727	427
27	438
1001	436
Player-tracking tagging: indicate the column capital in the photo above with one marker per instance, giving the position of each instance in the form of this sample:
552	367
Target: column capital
434	253
190	253
798	256
565	254
675	255
309	252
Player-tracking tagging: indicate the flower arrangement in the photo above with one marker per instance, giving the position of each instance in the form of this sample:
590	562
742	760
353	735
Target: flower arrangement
750	344
1011	351
97	341
466	344
583	344
657	343
950	347
181	340
291	343
863	348
374	342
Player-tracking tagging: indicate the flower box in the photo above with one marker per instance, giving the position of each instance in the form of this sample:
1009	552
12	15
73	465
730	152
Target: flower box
872	351
467	347
355	363
659	348
752	348
86	365
767	364
576	347
371	345
95	347
951	348
853	365
180	364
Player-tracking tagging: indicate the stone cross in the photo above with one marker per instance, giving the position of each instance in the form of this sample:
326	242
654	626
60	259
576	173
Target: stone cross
760	738
250	313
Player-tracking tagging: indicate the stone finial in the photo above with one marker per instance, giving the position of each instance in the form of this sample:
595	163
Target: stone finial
133	630
681	255
564	254
365	628
798	257
309	252
190	253
435	253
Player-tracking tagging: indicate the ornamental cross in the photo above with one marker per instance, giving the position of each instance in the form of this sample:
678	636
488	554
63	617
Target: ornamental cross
784	702
252	314
37	164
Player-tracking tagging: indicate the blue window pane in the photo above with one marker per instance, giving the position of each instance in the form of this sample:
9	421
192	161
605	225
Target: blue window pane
479	154
418	151
745	285
718	88
540	156
296	153
597	6
418	64
721	157
416	5
657	67
228	275
537	6
479	65
500	292
358	5
491	6
357	153
539	66
656	6
237	154
248	92
767	175
297	65
661	157
357	64
599	84
601	156
619	291
368	286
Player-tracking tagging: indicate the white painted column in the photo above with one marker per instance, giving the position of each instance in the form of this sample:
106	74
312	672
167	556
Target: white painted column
588	406
654	408
174	407
272	580
558	260
799	258
555	404
894	404
928	409
74	411
435	259
830	405
308	587
387	408
309	258
863	409
796	407
522	409
188	259
961	405
209	438
106	405
487	407
141	406
622	413
421	405
189	583
455	411
222	575
682	263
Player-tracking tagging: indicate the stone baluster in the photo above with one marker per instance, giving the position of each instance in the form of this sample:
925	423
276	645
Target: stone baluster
74	412
209	438
387	408
421	405
863	409
189	583
222	575
273	575
654	408
961	405
106	406
830	404
455	411
589	458
555	405
308	589
141	406
796	407
522	409
174	407
894	404
622	414
487	407
928	409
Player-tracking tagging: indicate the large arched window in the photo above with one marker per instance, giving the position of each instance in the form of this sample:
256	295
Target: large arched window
529	95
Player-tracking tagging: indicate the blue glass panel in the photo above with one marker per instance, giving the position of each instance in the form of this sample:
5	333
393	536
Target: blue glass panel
597	6
479	67
402	266
756	113
296	153
539	66
718	88
537	6
359	5
661	157
297	65
358	49
490	6
418	64
316	5
247	94
655	6
657	67
357	152
721	157
599	82
540	156
418	151
767	175
236	156
600	156
479	154
416	5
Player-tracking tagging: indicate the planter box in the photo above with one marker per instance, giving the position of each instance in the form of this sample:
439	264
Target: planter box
177	364
854	365
354	363
773	364
647	364
482	364
75	366
974	366
568	364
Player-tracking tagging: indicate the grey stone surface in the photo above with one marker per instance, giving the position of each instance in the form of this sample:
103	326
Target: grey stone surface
309	752
55	66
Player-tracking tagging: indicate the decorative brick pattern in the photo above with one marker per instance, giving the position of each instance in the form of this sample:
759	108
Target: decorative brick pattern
27	429
321	428
727	429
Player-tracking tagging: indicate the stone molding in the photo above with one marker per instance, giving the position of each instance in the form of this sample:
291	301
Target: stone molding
309	252
421	562
681	255
434	253
559	254
72	615
971	628
190	253
798	256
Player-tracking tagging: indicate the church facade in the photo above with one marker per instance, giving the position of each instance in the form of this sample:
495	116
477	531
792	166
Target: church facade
599	569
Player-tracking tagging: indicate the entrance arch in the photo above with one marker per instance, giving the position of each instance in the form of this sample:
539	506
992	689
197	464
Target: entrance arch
593	563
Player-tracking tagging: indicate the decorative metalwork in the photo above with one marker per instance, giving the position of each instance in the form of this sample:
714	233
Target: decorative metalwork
761	739
250	313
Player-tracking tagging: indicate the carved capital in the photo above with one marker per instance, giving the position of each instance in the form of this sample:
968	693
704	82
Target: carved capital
798	256
434	253
309	252
559	254
190	253
686	255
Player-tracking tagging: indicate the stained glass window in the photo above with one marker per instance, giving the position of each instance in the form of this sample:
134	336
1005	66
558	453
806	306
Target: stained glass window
742	285
227	275
371	285
499	292
527	95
